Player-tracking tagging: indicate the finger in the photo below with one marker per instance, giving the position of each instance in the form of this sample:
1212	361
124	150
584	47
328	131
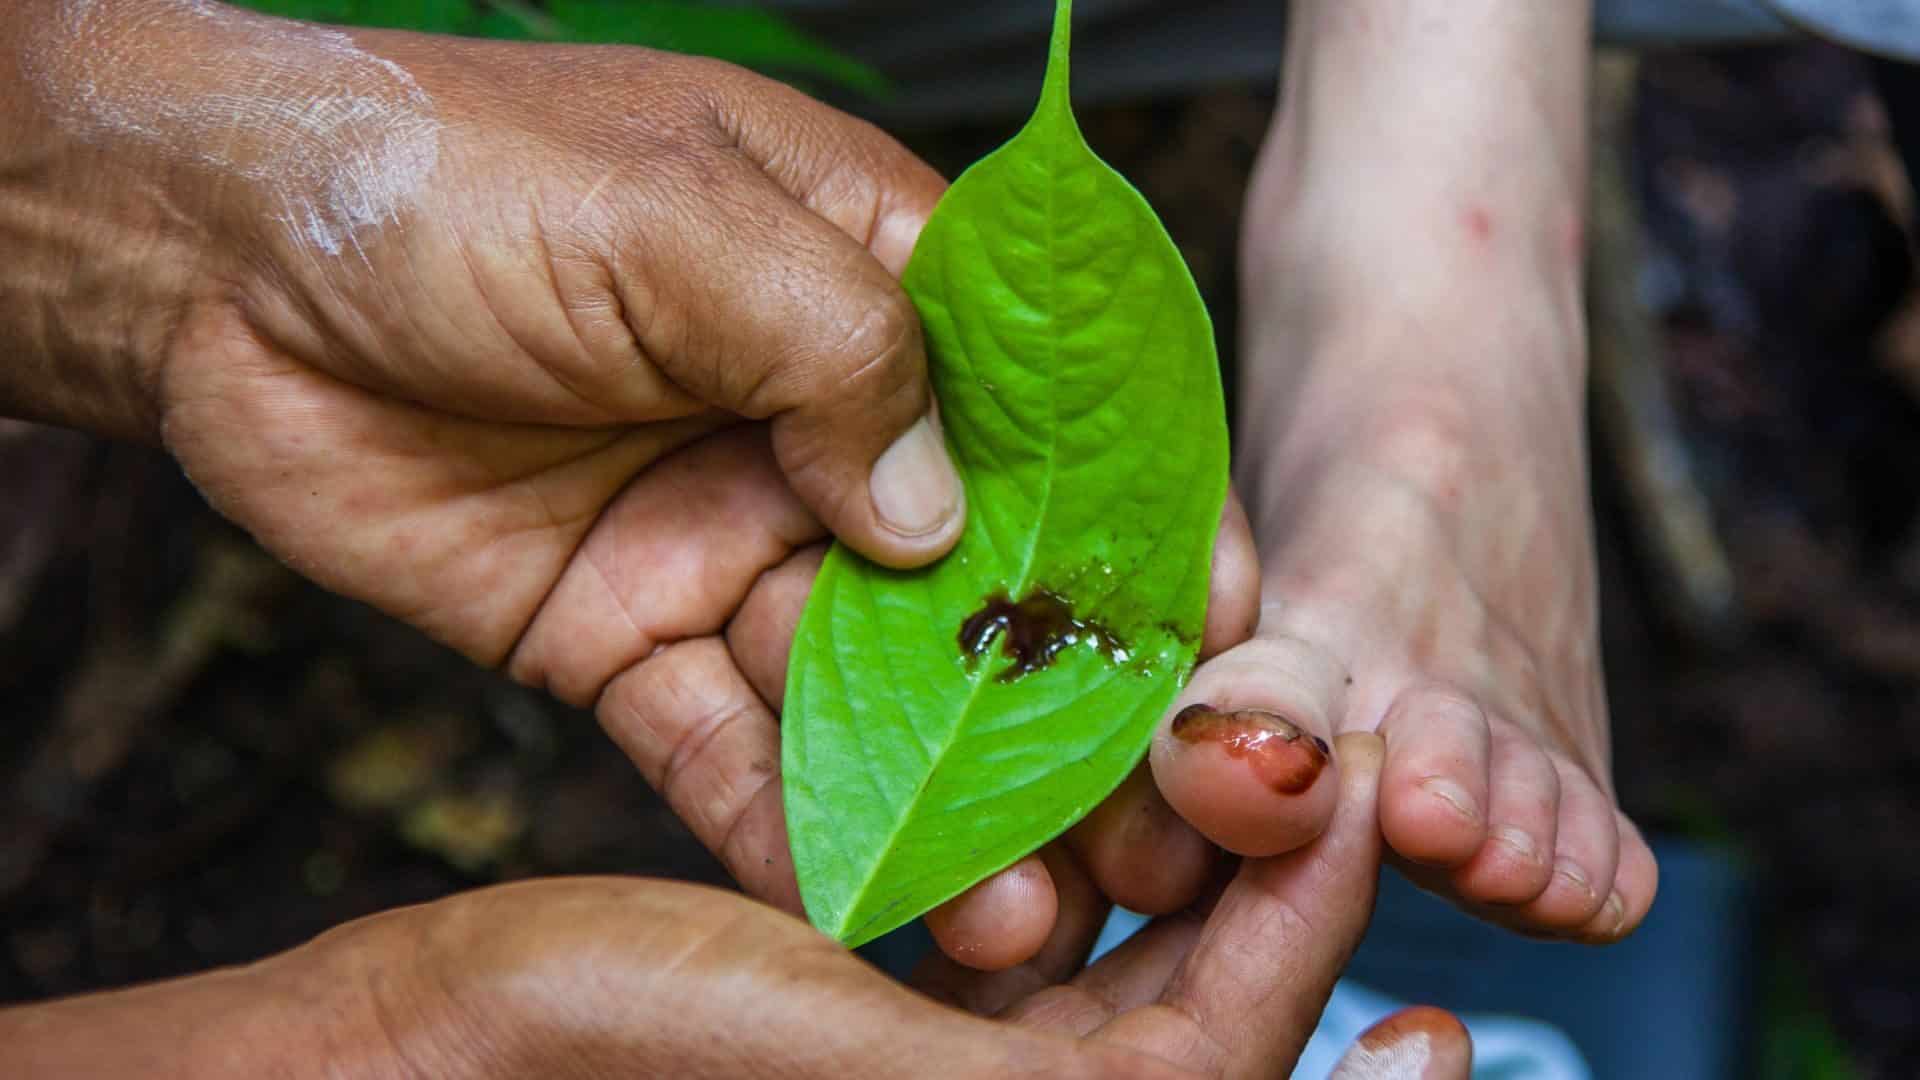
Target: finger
622	977
1251	991
1000	922
1082	913
1586	853
761	632
1243	754
711	748
1140	853
668	558
1433	795
1516	863
844	169
1421	1043
799	324
1233	594
1135	973
1143	964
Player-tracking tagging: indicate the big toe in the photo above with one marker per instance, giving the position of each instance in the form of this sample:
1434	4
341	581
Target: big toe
1244	755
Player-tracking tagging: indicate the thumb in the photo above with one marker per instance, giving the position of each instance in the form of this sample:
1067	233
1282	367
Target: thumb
1421	1043
874	191
813	216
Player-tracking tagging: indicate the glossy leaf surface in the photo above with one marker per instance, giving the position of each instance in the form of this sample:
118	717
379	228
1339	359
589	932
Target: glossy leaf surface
940	724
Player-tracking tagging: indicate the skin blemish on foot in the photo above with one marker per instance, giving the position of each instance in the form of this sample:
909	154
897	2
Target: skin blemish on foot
1478	223
1033	631
1282	756
339	140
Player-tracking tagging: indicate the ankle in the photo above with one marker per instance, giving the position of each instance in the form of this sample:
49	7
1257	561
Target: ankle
1404	394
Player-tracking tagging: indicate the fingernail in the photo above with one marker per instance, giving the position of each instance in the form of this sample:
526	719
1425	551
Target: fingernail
1519	841
1576	877
1453	795
915	490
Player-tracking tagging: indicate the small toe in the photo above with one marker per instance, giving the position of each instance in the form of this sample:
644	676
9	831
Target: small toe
1634	885
1515	863
1433	795
1587	851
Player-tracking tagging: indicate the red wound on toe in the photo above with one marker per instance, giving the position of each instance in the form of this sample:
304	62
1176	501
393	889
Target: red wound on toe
1285	758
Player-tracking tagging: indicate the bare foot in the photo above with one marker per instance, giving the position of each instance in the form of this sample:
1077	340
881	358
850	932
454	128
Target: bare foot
1428	573
1413	460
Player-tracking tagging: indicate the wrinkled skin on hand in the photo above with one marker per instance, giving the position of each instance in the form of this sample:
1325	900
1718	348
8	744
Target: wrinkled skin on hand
595	977
459	417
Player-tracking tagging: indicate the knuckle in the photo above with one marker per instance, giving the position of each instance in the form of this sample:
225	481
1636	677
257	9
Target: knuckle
877	348
1446	704
1549	784
866	350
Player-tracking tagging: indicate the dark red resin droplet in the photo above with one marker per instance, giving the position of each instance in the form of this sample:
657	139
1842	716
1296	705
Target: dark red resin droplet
1033	631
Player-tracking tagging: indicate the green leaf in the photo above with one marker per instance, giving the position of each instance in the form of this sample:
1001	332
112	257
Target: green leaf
752	38
429	16
746	36
1074	365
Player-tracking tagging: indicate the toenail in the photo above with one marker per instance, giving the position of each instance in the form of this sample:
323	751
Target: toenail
1282	755
1617	909
1452	794
1519	841
1200	716
1576	877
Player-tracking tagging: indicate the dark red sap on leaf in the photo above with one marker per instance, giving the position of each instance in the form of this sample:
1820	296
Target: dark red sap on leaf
1033	631
1284	757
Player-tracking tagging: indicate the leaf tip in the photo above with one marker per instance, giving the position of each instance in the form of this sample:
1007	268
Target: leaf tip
1056	90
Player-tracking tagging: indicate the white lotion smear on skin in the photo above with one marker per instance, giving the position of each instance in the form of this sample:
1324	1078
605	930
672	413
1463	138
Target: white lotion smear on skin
343	140
1405	1058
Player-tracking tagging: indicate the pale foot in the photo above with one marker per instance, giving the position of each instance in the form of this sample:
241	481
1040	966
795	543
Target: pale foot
1422	519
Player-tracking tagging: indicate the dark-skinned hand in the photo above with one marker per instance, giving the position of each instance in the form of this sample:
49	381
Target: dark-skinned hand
599	977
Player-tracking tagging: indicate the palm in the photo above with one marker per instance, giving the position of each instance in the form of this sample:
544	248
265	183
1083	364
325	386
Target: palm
458	526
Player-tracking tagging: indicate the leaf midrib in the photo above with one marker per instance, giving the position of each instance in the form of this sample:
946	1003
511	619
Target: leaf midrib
980	675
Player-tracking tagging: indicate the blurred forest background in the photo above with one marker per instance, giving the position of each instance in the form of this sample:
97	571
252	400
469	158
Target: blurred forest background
207	759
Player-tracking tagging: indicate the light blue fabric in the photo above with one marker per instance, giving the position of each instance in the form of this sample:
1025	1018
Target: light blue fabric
1504	1047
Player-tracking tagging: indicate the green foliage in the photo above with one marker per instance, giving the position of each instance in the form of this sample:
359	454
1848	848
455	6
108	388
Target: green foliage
1074	364
1797	1040
742	35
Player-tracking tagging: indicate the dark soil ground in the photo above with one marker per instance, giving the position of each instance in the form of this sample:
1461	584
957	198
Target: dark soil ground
206	759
